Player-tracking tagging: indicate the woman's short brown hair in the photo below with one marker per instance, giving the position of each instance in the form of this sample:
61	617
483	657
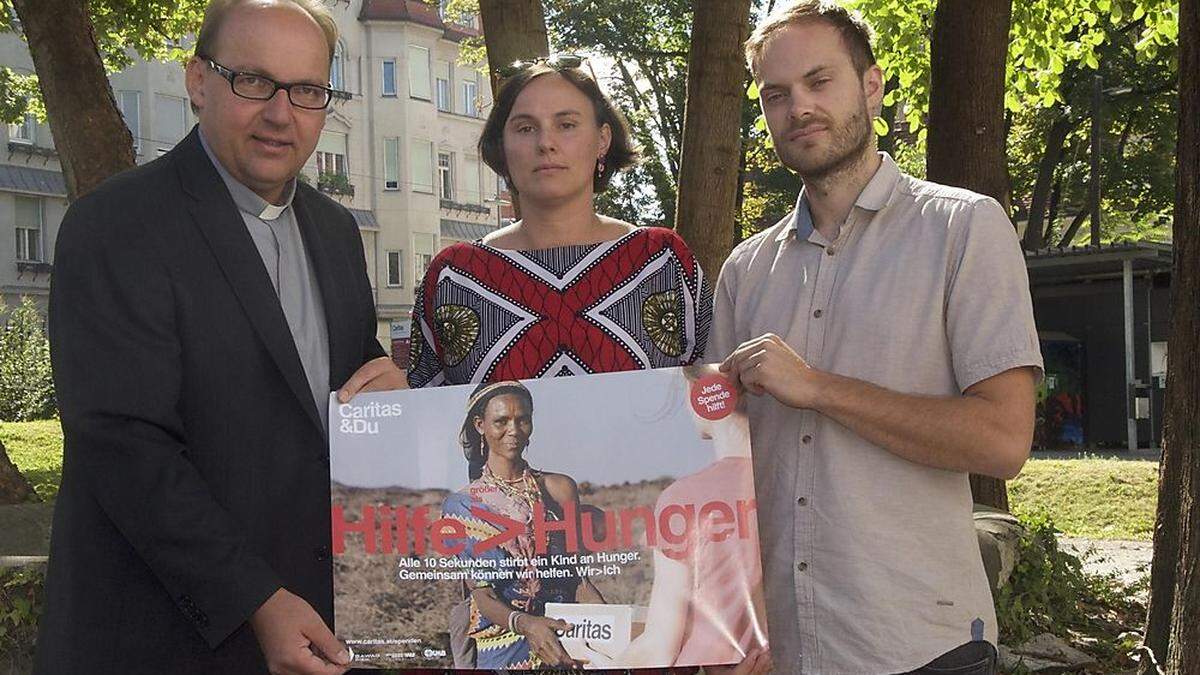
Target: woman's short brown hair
622	152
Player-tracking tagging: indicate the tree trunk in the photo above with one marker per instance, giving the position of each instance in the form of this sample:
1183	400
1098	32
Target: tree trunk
966	140
1055	137
513	30
968	53
1172	625
888	113
1073	228
14	489
1052	217
709	158
90	135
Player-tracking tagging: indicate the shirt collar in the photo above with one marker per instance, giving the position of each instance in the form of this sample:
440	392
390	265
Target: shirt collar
246	199
873	197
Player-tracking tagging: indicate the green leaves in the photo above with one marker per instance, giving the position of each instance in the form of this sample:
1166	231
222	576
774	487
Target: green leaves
26	381
1046	38
157	30
21	598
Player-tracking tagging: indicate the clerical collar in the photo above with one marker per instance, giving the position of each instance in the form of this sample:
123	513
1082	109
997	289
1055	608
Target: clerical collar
247	200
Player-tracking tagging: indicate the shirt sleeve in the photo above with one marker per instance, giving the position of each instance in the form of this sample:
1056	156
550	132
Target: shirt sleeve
989	312
722	341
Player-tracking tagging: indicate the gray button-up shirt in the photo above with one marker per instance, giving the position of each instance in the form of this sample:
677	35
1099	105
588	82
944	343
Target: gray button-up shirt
277	237
870	561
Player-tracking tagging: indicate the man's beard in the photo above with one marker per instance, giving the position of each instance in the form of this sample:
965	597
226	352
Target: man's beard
848	143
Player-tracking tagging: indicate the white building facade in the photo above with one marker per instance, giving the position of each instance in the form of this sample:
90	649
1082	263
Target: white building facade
399	151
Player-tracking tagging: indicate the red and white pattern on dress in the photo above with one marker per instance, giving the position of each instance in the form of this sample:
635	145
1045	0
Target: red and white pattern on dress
484	314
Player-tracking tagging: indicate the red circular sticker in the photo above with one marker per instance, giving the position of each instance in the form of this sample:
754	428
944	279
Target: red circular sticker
713	397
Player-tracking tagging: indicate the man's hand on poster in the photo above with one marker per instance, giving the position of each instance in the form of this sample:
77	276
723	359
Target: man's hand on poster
542	634
294	639
380	374
768	365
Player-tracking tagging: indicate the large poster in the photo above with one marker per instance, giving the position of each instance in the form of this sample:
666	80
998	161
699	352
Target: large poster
605	521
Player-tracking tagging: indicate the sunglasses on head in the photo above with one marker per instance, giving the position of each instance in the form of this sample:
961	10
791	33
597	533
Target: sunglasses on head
556	61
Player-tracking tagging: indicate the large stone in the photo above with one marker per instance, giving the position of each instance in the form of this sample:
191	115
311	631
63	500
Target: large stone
999	534
1045	653
25	530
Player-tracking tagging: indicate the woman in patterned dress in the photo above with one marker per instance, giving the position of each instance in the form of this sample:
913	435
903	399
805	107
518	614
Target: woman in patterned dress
564	290
506	615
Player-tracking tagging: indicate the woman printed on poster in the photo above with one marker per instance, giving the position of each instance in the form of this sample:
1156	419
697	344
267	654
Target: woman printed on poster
506	610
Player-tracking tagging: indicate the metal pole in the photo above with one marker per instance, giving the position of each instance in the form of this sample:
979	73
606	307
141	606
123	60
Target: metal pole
1130	419
1149	279
1094	188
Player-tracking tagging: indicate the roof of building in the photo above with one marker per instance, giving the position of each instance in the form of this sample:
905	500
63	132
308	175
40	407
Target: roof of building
28	179
464	231
1078	263
414	11
365	219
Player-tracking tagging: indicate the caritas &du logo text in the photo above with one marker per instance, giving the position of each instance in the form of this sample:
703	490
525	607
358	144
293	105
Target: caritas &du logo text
364	418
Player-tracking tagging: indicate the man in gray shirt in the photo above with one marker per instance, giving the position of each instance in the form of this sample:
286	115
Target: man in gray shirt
887	328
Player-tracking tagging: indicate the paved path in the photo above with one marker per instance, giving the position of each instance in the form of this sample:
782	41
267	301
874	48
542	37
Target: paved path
1129	559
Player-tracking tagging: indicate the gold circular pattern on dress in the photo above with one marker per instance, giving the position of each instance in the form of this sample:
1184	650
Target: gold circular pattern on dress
458	328
660	316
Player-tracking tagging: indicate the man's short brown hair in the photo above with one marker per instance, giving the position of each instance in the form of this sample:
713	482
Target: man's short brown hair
217	11
856	33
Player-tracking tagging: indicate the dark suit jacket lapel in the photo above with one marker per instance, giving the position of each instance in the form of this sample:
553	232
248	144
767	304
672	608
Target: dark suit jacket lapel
221	223
331	269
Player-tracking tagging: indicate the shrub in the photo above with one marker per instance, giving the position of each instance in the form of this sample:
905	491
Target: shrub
26	381
1050	592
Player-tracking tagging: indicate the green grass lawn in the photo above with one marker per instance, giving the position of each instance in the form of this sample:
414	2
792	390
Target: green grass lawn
1093	498
36	449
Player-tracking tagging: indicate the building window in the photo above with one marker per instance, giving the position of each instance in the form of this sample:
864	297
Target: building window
170	120
130	104
331	154
29	229
420	158
446	175
443	87
470	91
24	131
424	245
391	164
389	77
329	162
418	73
337	76
395	275
471	193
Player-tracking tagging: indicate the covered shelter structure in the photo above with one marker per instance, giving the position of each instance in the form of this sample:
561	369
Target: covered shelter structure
1102	314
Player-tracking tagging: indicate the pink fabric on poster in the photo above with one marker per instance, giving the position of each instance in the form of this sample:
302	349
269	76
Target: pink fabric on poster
725	616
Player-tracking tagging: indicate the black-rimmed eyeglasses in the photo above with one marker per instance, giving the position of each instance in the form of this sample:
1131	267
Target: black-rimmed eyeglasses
262	88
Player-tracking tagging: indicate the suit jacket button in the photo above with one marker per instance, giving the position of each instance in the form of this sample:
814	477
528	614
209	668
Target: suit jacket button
321	553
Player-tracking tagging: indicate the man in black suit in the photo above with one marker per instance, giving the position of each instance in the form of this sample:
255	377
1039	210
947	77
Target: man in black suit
202	308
